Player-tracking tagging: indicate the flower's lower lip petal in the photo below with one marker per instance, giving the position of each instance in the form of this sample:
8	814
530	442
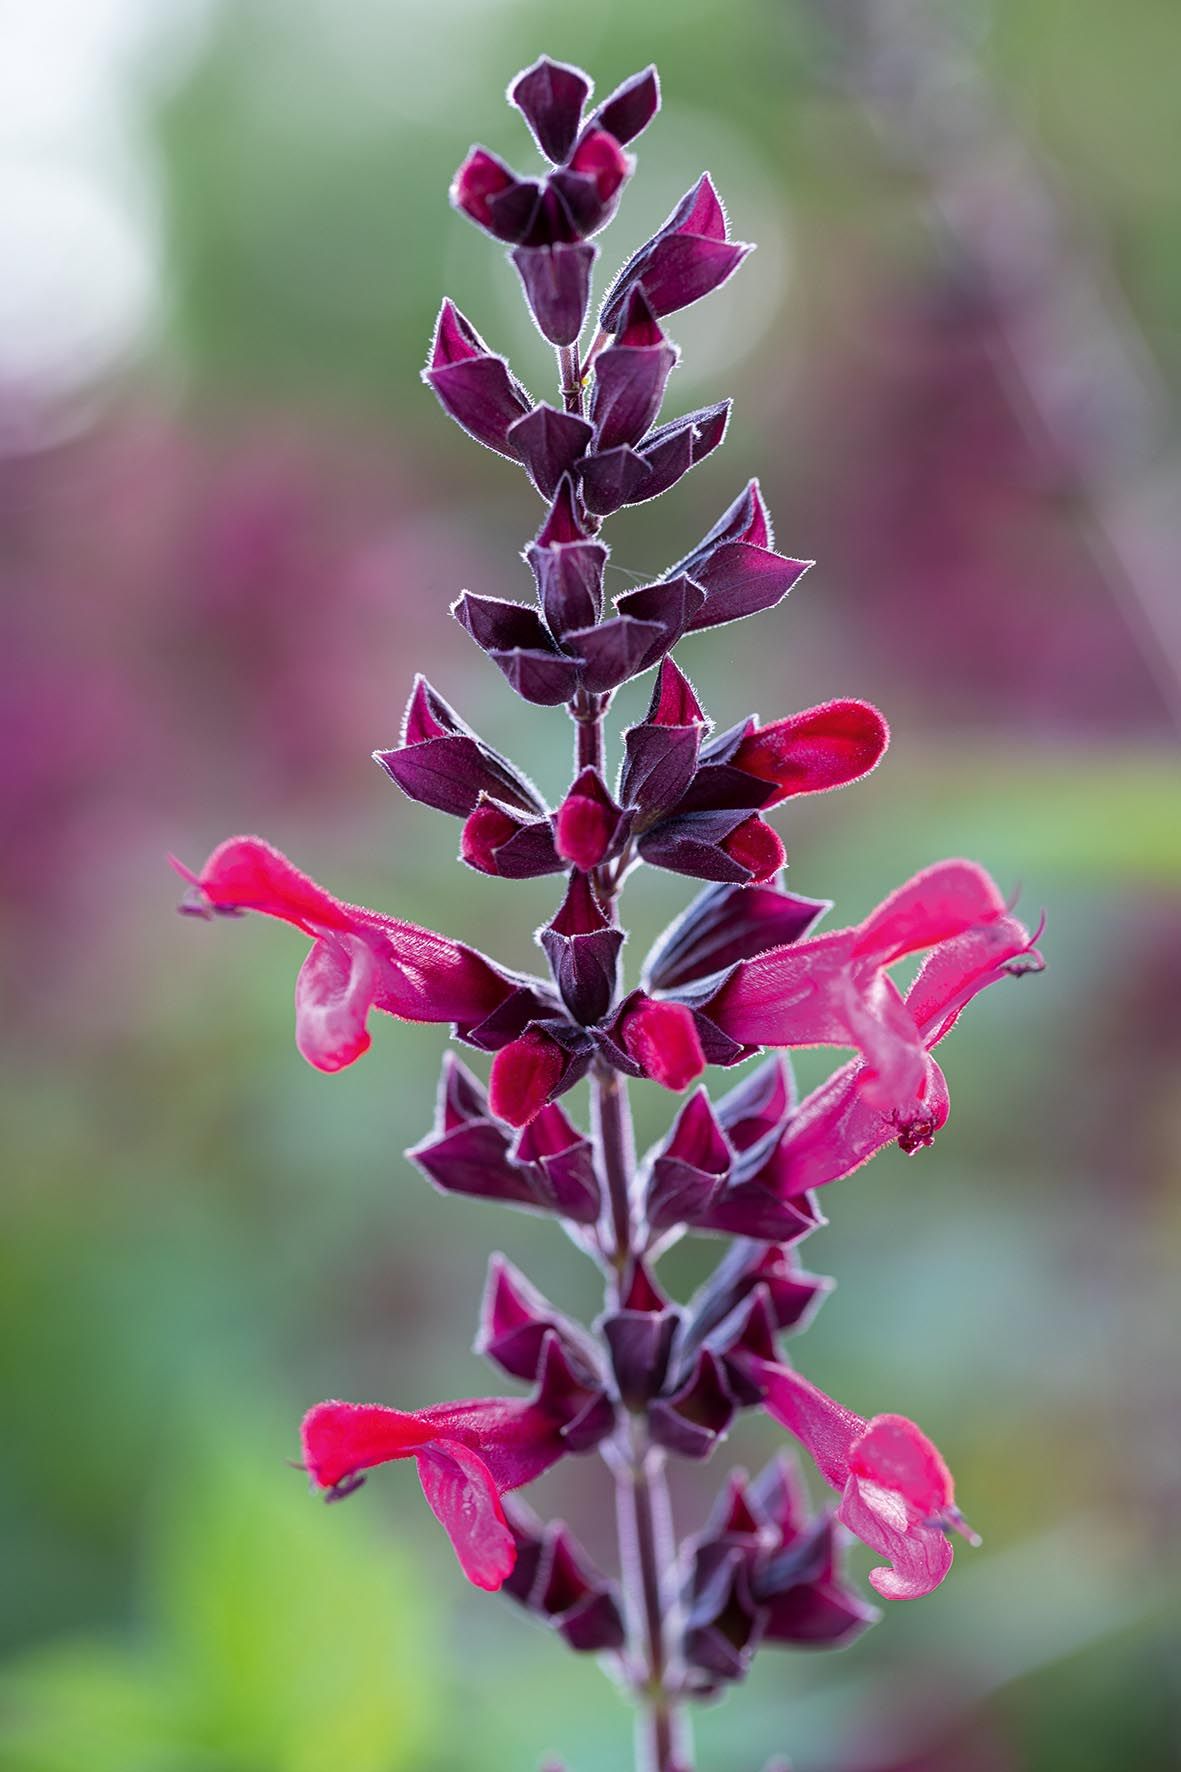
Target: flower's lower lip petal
463	1497
334	993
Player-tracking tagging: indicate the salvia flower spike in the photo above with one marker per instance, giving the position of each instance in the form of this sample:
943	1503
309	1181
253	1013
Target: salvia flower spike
745	966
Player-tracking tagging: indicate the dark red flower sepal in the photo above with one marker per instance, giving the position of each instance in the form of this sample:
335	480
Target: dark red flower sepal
556	1580
515	1320
441	762
683	261
582	948
550	443
473	384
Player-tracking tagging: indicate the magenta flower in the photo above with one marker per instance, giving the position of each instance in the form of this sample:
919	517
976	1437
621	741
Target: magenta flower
469	1454
662	1040
824	747
834	990
359	960
525	1075
896	1492
838	1127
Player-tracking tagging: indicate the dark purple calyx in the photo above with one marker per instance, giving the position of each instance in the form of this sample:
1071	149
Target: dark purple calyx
515	1319
583	948
723	925
556	281
684	260
689	1169
630	377
568	566
550	96
472	383
555	1579
441	762
516	639
660	752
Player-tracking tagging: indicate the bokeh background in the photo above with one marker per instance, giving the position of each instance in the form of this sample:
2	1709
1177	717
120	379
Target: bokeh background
232	520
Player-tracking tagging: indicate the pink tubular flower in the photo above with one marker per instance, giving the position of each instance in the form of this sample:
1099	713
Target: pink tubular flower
468	1453
833	990
836	1129
359	960
524	1075
896	1492
809	753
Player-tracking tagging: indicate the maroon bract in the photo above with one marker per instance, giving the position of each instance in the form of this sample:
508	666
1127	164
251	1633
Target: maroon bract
740	968
686	259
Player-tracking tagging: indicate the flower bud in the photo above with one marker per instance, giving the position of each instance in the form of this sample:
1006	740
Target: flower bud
588	823
524	1075
756	847
662	1038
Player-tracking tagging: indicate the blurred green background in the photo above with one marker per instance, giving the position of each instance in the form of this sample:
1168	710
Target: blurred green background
231	521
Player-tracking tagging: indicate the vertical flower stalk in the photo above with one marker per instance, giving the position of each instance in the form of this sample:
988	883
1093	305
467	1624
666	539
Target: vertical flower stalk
741	969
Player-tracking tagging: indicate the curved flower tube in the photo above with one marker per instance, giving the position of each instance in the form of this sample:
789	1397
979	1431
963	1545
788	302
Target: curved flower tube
359	960
837	1127
833	990
468	1453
